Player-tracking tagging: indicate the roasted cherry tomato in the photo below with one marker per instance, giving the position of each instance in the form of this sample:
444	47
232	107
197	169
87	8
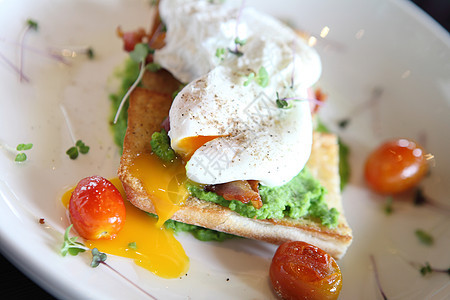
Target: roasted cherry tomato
303	271
396	166
96	208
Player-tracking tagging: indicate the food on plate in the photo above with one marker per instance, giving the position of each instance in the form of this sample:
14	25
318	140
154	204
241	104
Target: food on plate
161	254
303	271
395	166
241	156
97	209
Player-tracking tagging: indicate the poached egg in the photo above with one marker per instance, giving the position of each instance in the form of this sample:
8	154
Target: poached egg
237	62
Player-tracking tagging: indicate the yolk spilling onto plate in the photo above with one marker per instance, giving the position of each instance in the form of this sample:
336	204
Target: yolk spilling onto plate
142	238
163	182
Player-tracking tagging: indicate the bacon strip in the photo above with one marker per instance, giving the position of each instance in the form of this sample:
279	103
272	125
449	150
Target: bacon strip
244	191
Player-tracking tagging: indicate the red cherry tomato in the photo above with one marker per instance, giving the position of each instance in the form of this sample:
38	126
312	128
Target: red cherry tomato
396	166
303	271
96	208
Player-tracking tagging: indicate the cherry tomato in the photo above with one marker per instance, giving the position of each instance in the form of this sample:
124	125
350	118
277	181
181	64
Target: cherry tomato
396	166
303	271
96	208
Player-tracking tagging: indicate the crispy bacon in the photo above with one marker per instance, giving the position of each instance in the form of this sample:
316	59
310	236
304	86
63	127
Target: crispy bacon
131	38
244	191
154	37
318	95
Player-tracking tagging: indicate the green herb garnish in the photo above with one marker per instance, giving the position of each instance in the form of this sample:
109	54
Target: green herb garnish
424	237
97	257
220	53
79	147
21	157
70	245
239	42
388	206
281	103
262	78
132	245
32	24
90	53
160	143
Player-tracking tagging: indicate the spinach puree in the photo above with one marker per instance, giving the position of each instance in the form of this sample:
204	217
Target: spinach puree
302	197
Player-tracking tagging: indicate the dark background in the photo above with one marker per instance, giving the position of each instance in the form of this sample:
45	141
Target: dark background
17	285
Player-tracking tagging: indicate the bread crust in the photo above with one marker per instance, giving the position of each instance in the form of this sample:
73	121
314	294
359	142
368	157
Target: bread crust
147	110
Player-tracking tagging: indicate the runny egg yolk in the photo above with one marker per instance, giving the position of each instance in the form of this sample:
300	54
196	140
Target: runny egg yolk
189	145
142	239
163	182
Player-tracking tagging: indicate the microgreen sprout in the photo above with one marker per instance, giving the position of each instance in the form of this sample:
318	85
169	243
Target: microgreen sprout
424	237
31	25
281	103
132	245
426	268
79	147
72	247
21	157
70	244
262	78
388	209
284	102
237	41
139	54
97	257
220	53
90	52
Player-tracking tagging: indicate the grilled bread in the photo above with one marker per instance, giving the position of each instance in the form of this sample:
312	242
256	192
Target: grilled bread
149	106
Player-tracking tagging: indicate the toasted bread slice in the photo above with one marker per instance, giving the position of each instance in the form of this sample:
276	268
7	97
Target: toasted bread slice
148	108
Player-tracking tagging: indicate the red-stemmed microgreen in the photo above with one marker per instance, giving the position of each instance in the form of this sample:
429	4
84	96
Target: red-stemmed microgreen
51	53
426	268
21	156
31	25
284	102
73	247
377	277
293	65
139	54
238	41
16	69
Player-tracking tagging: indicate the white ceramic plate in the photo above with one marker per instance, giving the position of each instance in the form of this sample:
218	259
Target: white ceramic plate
388	46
